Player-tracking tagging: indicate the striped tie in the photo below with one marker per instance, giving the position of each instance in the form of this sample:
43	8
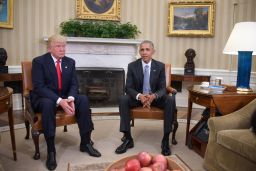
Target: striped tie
146	85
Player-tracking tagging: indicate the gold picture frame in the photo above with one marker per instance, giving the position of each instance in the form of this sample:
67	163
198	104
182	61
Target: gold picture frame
191	18
6	13
98	10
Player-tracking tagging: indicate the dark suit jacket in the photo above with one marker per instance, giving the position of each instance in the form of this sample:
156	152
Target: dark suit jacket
45	79
134	80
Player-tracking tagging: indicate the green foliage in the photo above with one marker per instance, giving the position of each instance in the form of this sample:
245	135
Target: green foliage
99	29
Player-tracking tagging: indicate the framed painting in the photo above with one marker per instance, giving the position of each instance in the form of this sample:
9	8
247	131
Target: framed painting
6	13
191	18
98	9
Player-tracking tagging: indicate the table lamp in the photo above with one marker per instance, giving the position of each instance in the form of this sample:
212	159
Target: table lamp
242	42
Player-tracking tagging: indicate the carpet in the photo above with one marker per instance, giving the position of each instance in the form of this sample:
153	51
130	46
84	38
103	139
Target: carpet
104	165
147	134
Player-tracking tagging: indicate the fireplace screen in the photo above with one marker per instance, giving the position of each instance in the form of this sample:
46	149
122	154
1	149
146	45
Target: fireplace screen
103	86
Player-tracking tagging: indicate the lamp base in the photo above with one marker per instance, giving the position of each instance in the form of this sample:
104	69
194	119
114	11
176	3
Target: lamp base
238	89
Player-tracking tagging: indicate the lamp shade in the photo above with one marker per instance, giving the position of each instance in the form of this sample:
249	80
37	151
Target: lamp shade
242	38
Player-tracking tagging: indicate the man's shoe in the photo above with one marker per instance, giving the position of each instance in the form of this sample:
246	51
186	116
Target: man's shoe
51	163
128	143
91	142
123	138
166	151
90	150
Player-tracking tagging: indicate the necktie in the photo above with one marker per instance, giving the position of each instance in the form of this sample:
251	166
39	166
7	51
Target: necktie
59	74
146	85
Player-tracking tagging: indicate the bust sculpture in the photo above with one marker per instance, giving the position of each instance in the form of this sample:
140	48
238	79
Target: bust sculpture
3	58
189	67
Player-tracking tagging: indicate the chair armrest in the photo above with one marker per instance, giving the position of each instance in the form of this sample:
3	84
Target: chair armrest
171	90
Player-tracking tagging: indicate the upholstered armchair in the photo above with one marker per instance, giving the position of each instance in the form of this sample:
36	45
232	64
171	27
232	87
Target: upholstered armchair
232	144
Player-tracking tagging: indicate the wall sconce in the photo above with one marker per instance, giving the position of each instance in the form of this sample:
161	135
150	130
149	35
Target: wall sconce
241	42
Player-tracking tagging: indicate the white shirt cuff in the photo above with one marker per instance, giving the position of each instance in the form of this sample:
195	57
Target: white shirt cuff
58	101
71	98
137	97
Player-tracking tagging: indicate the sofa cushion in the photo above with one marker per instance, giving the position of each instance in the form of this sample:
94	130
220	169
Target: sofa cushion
241	141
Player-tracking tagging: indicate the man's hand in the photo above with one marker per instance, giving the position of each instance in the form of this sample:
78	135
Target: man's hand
147	99
151	98
68	106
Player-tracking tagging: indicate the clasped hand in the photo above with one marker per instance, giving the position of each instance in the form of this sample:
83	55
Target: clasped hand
68	106
147	99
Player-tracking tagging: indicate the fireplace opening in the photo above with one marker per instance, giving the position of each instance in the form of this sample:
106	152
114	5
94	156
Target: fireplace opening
103	86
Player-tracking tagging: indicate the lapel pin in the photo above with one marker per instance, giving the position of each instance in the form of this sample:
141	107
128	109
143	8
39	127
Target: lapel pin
66	67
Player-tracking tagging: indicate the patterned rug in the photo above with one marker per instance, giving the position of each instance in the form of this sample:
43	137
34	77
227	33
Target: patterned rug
103	166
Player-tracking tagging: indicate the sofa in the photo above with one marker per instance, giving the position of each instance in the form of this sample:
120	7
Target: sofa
232	144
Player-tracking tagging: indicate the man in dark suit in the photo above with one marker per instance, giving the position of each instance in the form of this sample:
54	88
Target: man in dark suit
55	86
145	86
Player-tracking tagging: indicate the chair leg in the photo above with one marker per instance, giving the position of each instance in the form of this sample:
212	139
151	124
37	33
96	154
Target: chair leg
27	125
65	129
35	135
175	125
132	122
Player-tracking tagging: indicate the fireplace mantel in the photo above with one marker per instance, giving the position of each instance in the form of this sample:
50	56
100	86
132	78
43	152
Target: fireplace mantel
101	52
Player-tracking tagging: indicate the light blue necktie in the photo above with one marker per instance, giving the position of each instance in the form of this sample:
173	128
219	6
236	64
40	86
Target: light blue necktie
146	85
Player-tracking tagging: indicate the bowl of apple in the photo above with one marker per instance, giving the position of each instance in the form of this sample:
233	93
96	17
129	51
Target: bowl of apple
144	161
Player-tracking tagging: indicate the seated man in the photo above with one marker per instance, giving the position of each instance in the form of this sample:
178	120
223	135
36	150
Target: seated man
145	86
55	86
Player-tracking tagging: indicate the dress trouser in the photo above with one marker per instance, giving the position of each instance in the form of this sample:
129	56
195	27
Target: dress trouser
48	109
166	102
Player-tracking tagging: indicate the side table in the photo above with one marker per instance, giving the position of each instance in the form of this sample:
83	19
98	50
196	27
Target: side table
226	102
12	77
6	106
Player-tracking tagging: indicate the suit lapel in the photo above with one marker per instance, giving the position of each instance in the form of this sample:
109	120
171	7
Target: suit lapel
153	74
52	69
64	69
140	72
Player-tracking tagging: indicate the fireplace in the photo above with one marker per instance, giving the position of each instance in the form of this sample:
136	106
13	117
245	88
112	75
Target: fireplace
103	86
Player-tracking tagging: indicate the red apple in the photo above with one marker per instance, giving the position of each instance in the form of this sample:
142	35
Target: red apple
158	166
160	158
144	158
132	165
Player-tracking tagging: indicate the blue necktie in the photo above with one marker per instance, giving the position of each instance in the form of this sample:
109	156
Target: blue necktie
146	85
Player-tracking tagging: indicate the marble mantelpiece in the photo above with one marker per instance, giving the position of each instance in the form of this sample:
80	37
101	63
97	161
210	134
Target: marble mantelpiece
101	52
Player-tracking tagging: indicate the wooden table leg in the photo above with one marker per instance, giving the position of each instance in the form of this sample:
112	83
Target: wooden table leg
188	118
10	117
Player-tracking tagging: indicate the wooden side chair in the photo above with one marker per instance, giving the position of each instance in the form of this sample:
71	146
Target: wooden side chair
155	112
34	119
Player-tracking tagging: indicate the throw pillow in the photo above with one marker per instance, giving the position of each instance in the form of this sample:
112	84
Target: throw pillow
253	122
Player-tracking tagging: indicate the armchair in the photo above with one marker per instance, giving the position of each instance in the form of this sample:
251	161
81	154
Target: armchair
232	144
34	119
155	112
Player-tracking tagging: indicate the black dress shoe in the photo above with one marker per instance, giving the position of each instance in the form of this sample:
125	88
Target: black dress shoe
51	163
123	138
127	143
90	150
166	151
91	142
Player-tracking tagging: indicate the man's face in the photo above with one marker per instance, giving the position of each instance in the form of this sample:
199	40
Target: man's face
57	49
146	52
